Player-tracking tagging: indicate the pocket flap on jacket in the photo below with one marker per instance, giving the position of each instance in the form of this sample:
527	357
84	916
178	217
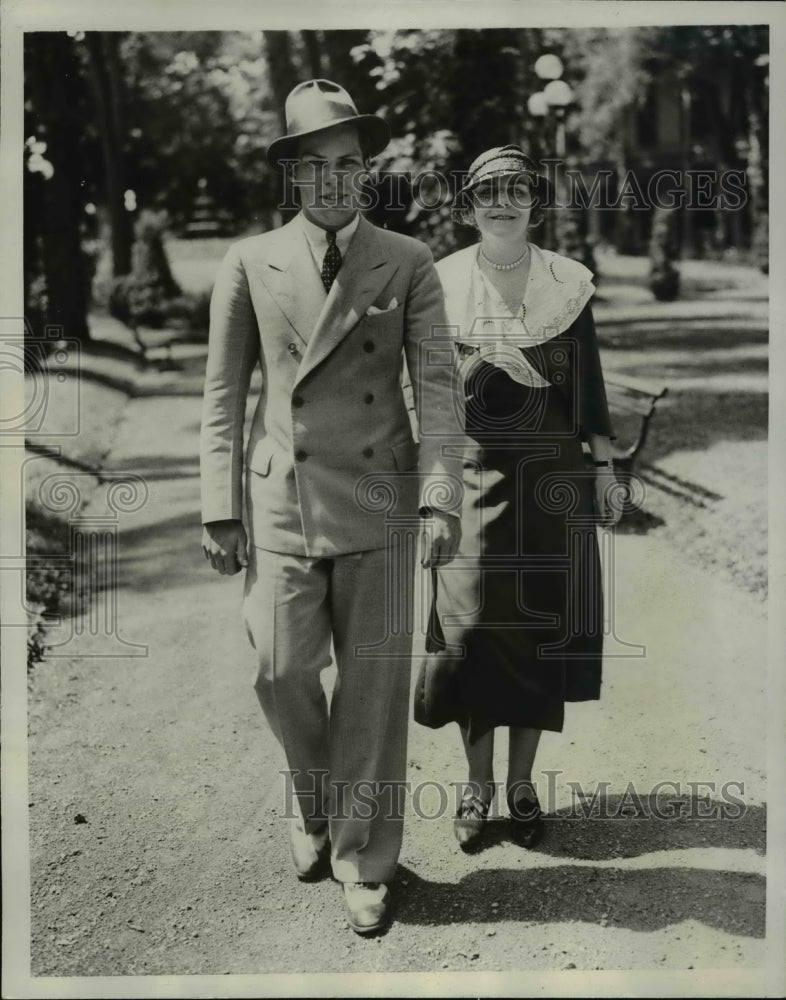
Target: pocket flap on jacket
260	458
405	455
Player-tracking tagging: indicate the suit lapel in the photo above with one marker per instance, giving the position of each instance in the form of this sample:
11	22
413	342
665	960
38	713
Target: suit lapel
365	269
290	275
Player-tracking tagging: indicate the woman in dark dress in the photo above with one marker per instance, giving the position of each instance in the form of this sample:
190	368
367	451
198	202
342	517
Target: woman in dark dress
517	618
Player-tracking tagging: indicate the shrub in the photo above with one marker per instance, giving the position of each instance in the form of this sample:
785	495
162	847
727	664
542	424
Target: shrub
761	242
199	315
143	297
47	586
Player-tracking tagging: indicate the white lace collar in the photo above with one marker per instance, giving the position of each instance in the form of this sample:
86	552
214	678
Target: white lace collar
556	291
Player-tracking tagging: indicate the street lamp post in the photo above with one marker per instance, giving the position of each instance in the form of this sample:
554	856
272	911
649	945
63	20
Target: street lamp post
558	96
554	99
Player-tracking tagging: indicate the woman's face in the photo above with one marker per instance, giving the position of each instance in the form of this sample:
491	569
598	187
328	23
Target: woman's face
502	207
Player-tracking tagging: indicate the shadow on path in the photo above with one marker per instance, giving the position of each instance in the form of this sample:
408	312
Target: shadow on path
644	894
702	336
695	420
637	900
158	466
638	522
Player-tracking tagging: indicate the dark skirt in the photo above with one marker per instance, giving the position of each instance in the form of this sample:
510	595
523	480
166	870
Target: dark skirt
520	610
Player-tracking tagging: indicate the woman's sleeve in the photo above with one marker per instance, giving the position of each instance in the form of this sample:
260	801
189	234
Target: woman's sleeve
593	409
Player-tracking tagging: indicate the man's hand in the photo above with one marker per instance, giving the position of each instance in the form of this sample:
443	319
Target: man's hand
445	538
226	546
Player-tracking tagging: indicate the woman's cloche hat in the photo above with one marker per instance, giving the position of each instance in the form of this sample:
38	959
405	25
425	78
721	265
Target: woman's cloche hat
499	162
319	104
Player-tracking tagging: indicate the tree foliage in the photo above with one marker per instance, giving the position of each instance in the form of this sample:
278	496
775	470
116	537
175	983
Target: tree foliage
166	115
448	96
606	68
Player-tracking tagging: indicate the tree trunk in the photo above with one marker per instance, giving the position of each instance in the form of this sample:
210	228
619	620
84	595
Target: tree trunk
283	76
757	159
107	88
623	235
311	40
688	241
51	84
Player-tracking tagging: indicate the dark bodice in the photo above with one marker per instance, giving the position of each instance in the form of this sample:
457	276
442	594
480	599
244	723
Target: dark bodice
501	412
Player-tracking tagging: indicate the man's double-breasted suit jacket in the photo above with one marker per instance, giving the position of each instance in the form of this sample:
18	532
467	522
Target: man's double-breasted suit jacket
330	453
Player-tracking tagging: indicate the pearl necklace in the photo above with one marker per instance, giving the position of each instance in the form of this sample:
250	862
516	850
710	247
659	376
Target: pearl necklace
505	267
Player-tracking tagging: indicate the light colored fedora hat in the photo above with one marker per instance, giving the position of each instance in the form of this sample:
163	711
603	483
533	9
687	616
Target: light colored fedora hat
319	104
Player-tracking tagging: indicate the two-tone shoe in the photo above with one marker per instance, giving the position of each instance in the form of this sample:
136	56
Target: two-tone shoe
310	851
368	906
469	822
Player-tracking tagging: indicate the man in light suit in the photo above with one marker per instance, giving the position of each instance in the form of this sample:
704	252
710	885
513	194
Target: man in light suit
326	305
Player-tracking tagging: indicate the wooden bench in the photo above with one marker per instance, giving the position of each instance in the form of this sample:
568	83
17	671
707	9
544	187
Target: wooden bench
633	396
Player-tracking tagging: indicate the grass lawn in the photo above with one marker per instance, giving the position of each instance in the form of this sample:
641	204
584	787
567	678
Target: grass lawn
195	262
625	279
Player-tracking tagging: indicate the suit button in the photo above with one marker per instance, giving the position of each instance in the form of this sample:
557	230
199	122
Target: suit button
368	347
292	348
368	452
369	397
301	456
297	401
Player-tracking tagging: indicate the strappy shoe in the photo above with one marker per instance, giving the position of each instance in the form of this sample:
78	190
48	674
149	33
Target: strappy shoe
470	821
526	819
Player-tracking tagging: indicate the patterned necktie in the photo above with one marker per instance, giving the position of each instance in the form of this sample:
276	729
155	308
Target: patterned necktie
332	261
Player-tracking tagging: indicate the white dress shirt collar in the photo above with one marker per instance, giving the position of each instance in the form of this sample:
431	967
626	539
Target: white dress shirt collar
317	237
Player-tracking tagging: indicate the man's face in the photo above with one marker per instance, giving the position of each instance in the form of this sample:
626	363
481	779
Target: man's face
328	175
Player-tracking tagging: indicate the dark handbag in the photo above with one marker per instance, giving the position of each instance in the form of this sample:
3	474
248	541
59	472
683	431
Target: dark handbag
438	685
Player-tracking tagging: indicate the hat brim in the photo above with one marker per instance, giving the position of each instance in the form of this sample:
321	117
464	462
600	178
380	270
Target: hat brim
541	185
374	132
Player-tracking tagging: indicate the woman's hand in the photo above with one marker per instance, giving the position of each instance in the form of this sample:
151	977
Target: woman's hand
609	497
440	543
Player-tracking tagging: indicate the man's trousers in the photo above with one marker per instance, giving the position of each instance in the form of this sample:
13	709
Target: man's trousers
293	607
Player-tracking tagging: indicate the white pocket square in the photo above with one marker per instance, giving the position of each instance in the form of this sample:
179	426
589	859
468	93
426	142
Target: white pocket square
374	311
